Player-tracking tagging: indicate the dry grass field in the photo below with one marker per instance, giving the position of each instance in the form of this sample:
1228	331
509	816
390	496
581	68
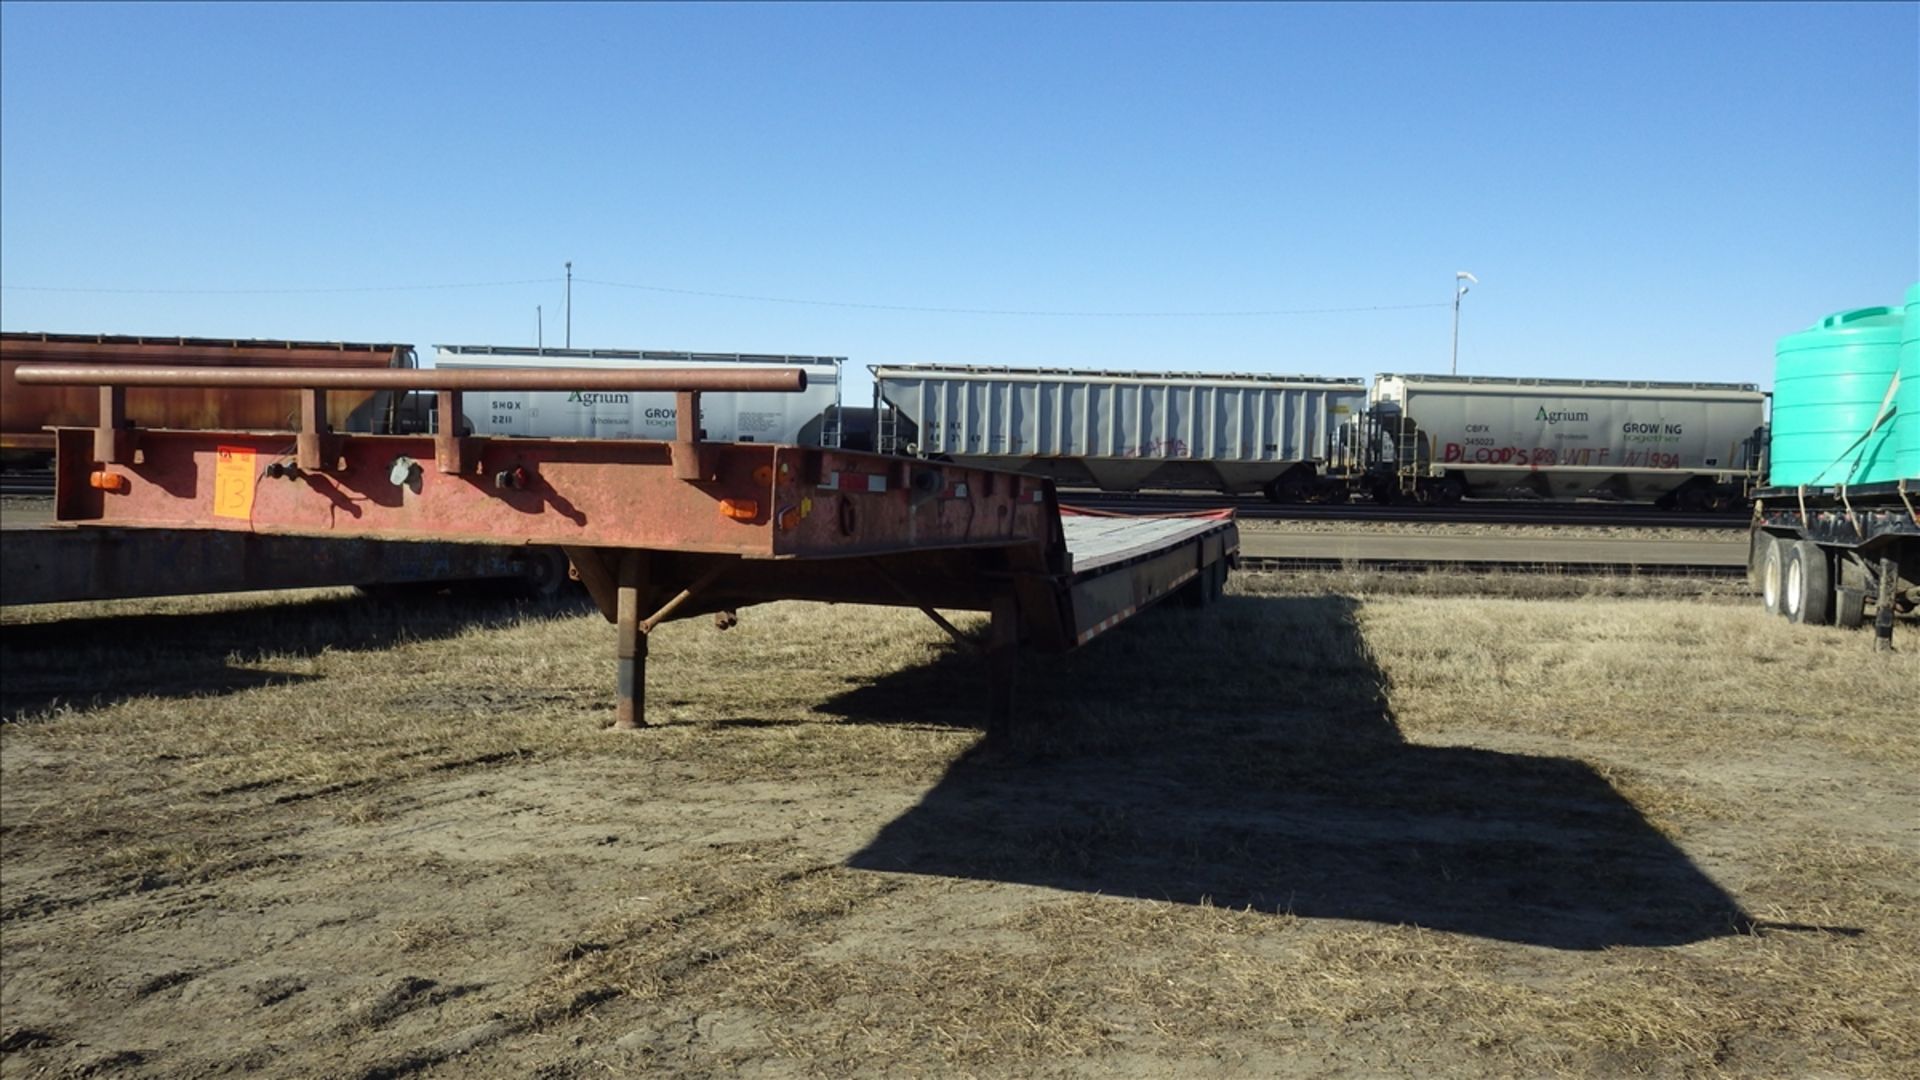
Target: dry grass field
1319	829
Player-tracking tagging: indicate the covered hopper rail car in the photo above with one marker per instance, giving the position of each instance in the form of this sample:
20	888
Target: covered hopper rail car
1294	438
1684	445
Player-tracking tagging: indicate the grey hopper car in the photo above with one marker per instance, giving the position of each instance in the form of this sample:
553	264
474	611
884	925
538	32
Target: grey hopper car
1122	431
1441	437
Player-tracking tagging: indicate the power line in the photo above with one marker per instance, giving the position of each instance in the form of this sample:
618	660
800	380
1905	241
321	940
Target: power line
277	292
749	297
1010	311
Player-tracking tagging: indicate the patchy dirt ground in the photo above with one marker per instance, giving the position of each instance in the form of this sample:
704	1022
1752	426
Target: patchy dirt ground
1303	831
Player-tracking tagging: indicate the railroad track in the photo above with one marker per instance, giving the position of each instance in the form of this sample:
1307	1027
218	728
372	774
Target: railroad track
1272	563
1470	512
26	484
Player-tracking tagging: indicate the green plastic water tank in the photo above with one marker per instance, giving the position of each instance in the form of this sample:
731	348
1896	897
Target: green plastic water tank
1906	422
1830	382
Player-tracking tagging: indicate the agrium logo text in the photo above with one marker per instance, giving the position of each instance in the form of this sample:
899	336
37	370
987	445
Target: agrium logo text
1559	415
576	397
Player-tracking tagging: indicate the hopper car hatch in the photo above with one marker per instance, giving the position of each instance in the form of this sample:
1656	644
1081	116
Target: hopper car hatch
656	530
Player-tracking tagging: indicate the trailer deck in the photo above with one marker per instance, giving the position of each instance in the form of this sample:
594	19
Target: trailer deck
656	530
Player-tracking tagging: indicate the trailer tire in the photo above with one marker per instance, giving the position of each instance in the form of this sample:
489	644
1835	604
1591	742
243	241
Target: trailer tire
547	573
1772	574
1849	608
1850	593
1757	556
1809	585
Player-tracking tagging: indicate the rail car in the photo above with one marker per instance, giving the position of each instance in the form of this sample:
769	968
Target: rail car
810	417
1119	430
1683	445
1403	438
1410	438
29	413
1835	537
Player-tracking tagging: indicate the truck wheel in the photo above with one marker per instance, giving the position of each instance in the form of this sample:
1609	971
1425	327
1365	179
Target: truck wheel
1809	587
1772	574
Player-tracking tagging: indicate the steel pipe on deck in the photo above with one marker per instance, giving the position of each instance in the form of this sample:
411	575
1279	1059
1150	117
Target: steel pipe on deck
697	380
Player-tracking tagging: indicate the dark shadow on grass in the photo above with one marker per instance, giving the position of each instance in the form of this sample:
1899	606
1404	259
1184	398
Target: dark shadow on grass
96	661
1247	757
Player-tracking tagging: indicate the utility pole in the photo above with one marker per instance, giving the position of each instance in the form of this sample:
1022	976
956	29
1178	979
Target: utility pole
539	329
570	304
1460	278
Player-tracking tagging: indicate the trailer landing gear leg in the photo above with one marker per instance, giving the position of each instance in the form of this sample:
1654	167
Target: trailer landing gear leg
631	647
1003	649
1883	617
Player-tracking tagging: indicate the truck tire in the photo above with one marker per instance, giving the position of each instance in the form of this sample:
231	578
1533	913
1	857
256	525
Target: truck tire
1809	585
1850	593
1849	608
1757	556
1773	575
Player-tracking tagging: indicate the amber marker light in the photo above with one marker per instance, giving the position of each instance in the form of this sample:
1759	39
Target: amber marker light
107	481
740	509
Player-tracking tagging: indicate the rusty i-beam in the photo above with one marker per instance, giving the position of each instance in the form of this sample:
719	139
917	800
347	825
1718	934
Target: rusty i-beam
655	530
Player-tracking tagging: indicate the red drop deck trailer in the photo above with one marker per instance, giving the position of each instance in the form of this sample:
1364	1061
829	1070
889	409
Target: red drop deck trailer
655	530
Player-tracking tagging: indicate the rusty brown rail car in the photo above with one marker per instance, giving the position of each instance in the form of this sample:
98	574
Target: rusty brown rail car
29	412
657	530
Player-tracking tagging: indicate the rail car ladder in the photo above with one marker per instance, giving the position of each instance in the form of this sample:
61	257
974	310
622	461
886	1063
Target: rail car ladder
831	431
1408	445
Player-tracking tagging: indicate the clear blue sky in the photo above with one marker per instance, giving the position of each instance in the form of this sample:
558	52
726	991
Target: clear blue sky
1644	191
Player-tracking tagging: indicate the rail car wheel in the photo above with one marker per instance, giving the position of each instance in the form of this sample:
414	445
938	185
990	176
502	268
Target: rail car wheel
1772	571
1693	499
1808	595
1286	488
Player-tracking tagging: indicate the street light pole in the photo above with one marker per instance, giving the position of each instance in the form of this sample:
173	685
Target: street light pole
1460	278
